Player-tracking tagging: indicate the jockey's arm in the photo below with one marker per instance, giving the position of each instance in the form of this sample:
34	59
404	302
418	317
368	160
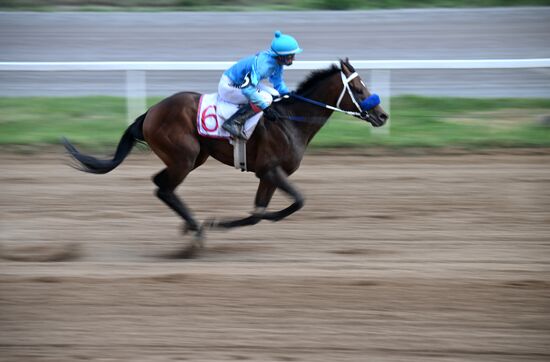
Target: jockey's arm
251	92
278	82
258	72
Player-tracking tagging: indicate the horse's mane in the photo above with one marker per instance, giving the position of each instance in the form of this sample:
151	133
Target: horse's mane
314	77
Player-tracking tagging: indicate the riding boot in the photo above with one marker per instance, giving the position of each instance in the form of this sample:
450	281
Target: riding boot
235	124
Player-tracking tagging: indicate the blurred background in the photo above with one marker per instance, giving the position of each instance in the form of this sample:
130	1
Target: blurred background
122	31
426	240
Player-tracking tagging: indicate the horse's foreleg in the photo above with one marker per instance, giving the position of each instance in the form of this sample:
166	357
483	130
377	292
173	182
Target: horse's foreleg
269	182
278	177
263	197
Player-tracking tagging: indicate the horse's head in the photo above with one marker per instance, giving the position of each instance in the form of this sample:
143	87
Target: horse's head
355	96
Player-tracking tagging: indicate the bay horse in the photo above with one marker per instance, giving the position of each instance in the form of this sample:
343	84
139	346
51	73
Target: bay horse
275	149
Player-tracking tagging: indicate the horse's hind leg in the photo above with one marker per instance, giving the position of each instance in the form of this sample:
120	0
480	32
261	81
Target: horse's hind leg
167	182
180	161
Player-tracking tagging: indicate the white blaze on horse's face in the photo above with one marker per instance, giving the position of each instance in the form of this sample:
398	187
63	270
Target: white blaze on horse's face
359	88
353	86
365	90
359	94
346	89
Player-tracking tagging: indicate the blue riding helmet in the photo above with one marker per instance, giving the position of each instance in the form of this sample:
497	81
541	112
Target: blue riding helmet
283	44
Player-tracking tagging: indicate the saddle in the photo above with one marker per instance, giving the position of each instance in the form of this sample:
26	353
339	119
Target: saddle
212	112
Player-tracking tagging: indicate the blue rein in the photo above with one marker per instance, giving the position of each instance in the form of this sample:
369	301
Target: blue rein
366	105
297	96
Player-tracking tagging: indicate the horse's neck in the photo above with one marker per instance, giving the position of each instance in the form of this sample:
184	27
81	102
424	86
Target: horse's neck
326	91
310	119
316	116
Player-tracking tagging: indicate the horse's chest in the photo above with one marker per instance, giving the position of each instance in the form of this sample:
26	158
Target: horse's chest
280	147
291	159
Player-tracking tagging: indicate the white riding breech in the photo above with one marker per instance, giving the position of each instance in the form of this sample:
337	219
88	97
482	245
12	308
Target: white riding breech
227	92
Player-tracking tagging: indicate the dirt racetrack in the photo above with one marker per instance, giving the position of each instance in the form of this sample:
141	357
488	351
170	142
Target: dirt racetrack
425	258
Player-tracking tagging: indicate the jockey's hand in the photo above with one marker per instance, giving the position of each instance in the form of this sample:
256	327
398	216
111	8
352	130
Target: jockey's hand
271	113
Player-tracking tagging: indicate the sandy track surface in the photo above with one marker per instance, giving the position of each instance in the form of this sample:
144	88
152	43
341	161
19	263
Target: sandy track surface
392	259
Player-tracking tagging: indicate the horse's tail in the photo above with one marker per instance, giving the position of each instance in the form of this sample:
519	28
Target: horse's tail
93	165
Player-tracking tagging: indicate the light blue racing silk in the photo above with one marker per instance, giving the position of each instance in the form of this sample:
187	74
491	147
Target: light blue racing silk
249	71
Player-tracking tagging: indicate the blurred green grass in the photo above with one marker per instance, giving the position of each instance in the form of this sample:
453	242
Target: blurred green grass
415	122
447	122
94	121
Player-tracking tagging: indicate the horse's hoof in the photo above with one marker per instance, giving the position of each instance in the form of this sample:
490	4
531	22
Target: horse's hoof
258	212
198	238
187	228
197	242
192	249
211	224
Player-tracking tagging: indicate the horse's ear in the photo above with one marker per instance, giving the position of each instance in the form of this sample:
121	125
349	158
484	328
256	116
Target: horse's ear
348	65
344	63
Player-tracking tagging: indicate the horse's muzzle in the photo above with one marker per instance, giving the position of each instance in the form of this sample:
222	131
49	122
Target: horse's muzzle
369	103
373	118
369	114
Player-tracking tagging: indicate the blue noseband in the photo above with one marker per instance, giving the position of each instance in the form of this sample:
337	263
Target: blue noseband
370	102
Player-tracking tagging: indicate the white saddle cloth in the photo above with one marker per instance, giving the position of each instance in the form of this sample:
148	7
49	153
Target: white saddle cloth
213	112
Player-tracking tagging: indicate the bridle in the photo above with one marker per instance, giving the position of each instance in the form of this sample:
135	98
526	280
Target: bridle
346	89
345	82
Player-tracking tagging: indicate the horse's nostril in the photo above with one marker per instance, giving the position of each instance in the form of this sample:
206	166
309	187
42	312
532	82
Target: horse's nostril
383	117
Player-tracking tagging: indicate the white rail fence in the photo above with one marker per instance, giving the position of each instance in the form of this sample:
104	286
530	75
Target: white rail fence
380	72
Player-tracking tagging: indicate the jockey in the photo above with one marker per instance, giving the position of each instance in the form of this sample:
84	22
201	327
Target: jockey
241	85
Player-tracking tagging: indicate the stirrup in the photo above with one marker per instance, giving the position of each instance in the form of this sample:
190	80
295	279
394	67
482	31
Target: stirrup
241	135
234	130
233	125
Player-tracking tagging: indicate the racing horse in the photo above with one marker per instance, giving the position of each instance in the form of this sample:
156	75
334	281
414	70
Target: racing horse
276	147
